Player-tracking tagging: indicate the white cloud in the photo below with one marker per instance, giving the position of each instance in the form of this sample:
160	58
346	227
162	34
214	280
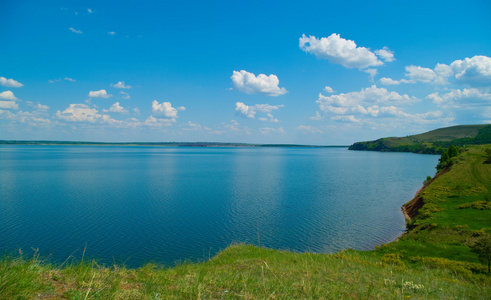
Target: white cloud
166	109
8	95
75	30
116	108
111	33
248	83
250	111
136	111
309	129
459	98
385	54
121	85
84	114
125	95
60	79
10	82
329	90
390	81
38	106
420	74
99	94
158	122
8	105
340	51
372	72
348	118
475	71
89	10
195	127
269	130
26	118
371	102
317	116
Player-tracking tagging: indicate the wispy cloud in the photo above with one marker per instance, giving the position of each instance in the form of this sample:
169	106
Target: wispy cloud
250	111
75	30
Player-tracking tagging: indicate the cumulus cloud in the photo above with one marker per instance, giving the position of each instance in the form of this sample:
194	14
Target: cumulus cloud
75	30
7	95
25	118
250	111
165	109
341	51
370	102
385	54
99	94
329	90
8	105
420	74
475	71
248	83
116	108
307	129
84	114
10	82
121	85
458	98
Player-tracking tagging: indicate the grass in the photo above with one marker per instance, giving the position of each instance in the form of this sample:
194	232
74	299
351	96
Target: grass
431	261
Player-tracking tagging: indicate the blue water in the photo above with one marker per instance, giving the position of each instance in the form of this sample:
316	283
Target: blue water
135	205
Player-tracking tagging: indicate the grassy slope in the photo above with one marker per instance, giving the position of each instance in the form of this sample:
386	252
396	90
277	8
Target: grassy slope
431	261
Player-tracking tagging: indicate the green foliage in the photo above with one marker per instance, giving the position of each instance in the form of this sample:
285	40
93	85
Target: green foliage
465	269
483	249
488	156
481	205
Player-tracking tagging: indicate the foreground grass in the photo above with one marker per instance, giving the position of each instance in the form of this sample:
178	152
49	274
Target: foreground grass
243	272
432	261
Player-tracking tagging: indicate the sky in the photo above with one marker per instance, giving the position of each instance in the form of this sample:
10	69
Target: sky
293	72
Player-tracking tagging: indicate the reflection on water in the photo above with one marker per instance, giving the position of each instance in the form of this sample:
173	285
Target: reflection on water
137	204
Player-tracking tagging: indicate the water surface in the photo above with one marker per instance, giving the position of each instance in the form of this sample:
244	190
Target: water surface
166	204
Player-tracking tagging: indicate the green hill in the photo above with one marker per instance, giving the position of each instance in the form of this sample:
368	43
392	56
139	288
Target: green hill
430	142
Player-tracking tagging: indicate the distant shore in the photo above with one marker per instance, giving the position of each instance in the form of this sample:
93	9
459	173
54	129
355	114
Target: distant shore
161	144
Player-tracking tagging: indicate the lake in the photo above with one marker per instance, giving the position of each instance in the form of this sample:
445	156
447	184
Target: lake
134	205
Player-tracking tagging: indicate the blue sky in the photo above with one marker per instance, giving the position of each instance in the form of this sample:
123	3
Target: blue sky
309	72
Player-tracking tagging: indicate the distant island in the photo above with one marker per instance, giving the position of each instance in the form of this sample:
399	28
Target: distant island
432	142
